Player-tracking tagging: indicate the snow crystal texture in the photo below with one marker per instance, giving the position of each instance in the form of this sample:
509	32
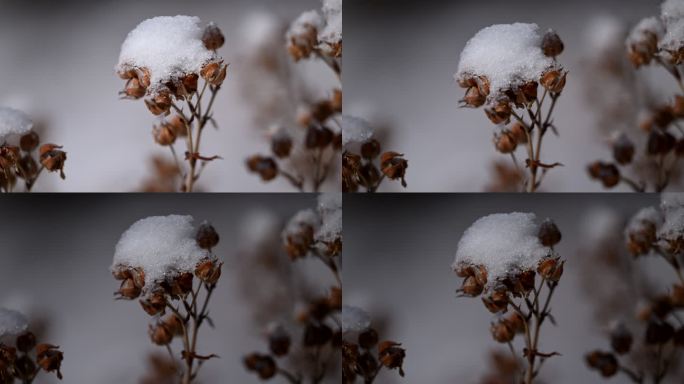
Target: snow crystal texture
504	243
643	216
672	206
169	46
672	14
332	12
305	217
330	213
507	54
355	130
13	122
12	322
161	245
354	319
302	24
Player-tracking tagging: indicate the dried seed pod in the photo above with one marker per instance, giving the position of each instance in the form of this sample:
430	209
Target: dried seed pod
623	149
500	113
209	271
551	269
29	141
53	158
281	145
660	143
164	134
207	237
394	166
160	334
391	355
368	338
607	173
549	235
134	89
370	149
518	131
128	290
471	287
552	45
473	98
266	167
606	363
214	73
554	81
177	123
505	142
154	303
658	332
496	301
263	365
189	83
279	341
212	37
49	358
26	342
620	339
501	332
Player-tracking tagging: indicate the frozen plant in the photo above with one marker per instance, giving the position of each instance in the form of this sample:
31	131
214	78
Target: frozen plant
305	149
363	354
18	161
361	151
24	361
308	350
646	351
501	257
655	40
501	68
162	60
158	259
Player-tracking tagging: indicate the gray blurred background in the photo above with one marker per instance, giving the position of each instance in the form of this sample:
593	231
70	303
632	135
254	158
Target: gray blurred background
400	57
54	266
398	255
57	63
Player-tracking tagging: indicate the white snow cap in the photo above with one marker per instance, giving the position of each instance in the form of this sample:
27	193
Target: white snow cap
305	217
162	246
672	14
355	130
330	212
302	24
354	319
13	122
332	12
169	46
672	206
504	243
509	55
641	218
641	31
12	322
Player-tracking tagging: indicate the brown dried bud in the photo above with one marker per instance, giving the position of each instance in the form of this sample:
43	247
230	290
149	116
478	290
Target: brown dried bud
518	131
660	143
501	332
29	141
209	271
658	332
554	81
552	45
505	142
279	341
322	110
266	167
368	338
214	73
663	116
551	269
496	301
263	365
177	123
473	98
154	303
499	113
53	158
189	83
606	363
134	89
160	334
391	355
623	149
157	108
394	166
281	144
621	339
549	235
181	285
471	287
49	358
370	149
213	37
206	236
128	290
173	324
26	342
607	173
164	134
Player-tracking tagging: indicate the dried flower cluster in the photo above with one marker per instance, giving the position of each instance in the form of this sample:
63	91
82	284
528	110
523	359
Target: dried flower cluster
361	152
174	289
659	41
308	350
501	68
20	161
162	61
364	355
304	151
646	346
513	277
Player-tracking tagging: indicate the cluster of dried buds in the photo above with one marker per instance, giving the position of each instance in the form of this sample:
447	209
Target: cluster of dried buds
307	42
361	171
663	149
319	146
520	292
24	361
20	162
523	103
320	333
161	99
368	356
177	293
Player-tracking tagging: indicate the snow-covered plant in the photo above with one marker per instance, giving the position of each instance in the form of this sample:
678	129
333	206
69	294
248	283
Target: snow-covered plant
308	351
509	260
363	354
18	161
305	148
645	350
361	151
660	41
169	264
24	361
162	60
501	68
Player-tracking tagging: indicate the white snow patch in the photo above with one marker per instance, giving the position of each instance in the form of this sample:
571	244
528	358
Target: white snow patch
12	322
330	213
509	55
641	218
303	23
641	31
504	243
162	246
13	122
332	12
354	319
672	206
355	130
305	217
170	47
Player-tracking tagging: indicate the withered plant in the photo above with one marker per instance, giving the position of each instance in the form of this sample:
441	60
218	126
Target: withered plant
364	355
182	94
308	350
647	158
178	302
646	348
513	92
27	358
519	293
305	154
